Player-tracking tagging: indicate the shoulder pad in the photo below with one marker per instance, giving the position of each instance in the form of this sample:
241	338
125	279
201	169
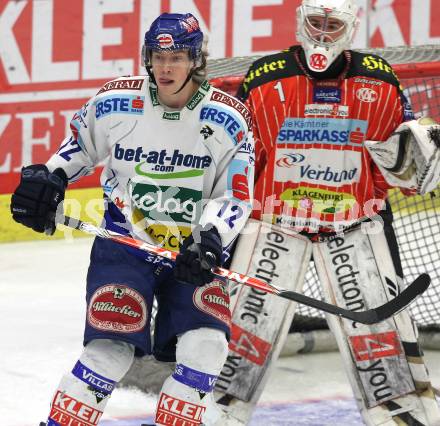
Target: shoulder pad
269	68
222	98
134	83
370	65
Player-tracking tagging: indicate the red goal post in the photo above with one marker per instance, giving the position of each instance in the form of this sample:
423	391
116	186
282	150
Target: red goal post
417	219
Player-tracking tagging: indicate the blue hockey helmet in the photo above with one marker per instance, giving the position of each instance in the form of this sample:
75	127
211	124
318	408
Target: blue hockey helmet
174	31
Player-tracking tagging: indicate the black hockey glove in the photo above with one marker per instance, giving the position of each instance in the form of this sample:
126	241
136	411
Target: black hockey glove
35	200
200	252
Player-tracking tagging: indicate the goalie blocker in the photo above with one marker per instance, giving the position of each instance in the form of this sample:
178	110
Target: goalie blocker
357	271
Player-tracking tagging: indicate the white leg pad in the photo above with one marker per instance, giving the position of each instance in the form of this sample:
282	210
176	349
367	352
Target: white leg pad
185	396
204	349
109	358
260	321
383	361
84	392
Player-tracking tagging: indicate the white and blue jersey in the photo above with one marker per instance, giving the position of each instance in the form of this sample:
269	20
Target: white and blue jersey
165	171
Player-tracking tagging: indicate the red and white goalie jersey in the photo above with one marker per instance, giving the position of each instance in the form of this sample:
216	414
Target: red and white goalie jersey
313	172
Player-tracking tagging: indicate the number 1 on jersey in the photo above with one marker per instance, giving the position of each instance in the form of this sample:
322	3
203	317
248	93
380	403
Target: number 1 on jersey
279	88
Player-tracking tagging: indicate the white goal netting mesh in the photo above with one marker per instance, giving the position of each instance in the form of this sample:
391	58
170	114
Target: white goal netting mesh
416	219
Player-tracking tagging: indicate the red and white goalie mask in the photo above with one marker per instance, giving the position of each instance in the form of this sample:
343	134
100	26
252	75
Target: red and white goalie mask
325	28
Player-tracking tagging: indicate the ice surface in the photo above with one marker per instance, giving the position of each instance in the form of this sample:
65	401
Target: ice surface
42	308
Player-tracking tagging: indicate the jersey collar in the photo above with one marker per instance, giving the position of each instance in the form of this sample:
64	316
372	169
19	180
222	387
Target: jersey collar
190	105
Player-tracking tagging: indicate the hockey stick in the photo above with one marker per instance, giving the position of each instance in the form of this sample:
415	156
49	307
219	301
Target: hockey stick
370	316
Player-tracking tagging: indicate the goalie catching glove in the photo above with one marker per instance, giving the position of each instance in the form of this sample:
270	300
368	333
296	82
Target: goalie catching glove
199	253
410	158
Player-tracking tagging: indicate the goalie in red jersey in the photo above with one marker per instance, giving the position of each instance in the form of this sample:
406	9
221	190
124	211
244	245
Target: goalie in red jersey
333	132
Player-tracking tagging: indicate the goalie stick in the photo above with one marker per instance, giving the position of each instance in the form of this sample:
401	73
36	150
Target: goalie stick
370	316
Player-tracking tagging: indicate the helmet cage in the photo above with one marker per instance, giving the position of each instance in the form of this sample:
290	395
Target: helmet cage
324	32
328	38
346	20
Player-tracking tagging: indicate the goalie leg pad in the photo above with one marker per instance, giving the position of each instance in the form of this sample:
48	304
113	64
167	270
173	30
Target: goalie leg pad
260	322
383	361
84	392
200	355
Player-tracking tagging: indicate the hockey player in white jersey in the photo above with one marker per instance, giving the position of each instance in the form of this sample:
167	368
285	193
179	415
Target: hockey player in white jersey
178	167
333	132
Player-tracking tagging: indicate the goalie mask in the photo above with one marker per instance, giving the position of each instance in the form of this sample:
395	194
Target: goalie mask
174	32
325	29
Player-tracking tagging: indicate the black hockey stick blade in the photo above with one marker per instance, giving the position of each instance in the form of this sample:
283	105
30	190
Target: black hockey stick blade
402	300
370	316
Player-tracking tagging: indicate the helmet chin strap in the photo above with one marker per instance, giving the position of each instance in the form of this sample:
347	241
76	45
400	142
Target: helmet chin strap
150	74
188	78
191	73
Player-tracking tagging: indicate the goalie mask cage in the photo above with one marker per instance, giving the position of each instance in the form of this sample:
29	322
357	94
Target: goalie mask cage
416	218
